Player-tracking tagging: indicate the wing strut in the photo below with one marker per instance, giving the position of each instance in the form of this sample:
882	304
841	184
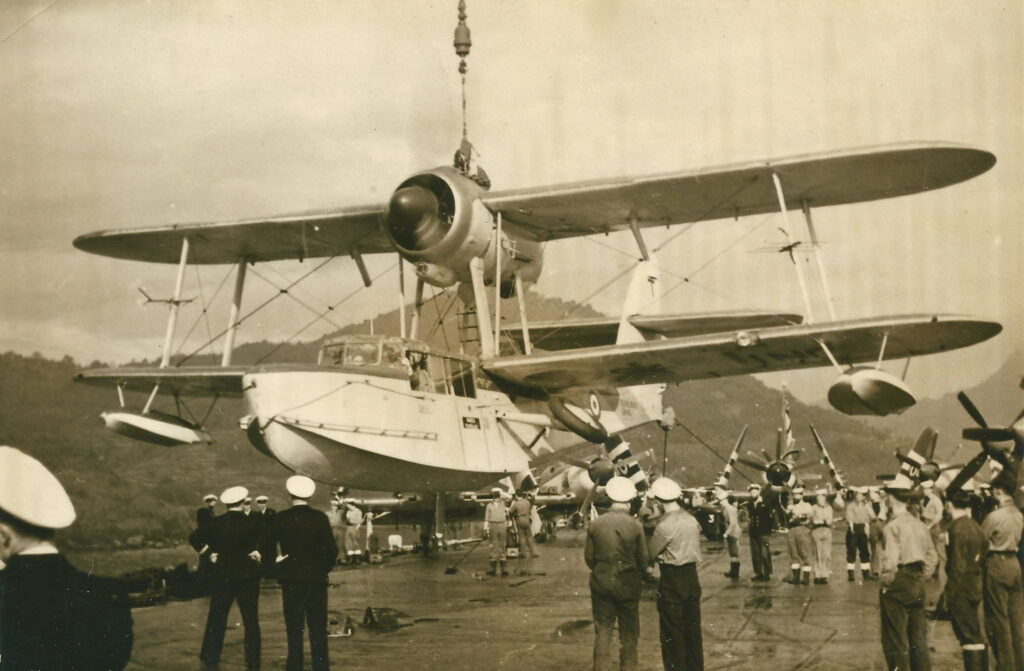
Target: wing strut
789	234
236	305
172	319
817	260
527	345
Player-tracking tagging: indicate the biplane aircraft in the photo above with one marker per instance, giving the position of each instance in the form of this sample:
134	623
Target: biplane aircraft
390	413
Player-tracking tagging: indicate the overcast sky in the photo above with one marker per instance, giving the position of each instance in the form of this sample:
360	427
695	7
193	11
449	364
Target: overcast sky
122	114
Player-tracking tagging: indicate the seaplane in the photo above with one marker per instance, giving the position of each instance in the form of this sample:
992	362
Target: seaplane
392	413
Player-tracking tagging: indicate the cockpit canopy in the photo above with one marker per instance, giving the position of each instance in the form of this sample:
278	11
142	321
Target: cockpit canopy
388	356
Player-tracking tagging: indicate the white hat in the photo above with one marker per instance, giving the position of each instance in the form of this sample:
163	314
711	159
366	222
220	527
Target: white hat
799	489
31	493
233	495
721	494
210	497
665	489
262	498
753	485
900	483
496	490
620	489
300	486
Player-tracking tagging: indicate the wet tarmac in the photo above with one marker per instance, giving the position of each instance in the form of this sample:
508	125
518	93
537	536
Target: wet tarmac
467	620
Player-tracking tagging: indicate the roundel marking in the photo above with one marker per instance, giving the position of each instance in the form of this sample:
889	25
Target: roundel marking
595	405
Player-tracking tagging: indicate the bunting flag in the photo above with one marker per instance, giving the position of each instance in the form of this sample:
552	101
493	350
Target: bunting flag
787	425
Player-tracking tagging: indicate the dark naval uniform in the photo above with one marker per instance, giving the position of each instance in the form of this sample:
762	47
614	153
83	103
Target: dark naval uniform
60	619
616	553
236	575
908	556
676	546
307	553
1004	601
965	557
760	530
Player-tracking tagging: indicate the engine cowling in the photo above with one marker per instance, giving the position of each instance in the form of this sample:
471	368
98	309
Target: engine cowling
870	391
437	222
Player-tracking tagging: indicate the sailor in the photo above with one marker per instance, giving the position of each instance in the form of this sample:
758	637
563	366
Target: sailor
676	547
876	539
495	519
247	505
931	515
198	538
205	513
858	518
760	530
732	532
1004	601
306	552
801	546
53	616
234	540
521	512
353	524
821	535
908	557
964	568
616	554
336	518
264	515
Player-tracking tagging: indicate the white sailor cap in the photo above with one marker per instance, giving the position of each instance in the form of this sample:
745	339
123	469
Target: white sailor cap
900	483
300	486
262	498
620	489
248	500
752	486
798	490
665	489
233	495
496	490
209	497
721	494
31	493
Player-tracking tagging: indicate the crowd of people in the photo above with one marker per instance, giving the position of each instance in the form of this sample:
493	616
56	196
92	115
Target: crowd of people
932	551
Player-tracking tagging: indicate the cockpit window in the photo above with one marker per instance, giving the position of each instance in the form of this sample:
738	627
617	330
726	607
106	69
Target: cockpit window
362	354
391	355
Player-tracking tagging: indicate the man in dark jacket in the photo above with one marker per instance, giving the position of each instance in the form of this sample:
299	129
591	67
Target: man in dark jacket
760	530
965	563
616	553
306	553
53	616
234	540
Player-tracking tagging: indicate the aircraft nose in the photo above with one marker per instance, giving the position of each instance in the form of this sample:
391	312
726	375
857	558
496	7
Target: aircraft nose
413	218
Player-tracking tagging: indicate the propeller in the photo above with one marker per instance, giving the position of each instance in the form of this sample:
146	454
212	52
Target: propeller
985	435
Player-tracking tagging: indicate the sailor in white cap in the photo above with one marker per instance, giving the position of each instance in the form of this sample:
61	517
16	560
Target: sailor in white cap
53	616
198	538
495	521
234	540
821	534
616	553
966	565
801	546
306	555
732	532
676	547
760	532
908	557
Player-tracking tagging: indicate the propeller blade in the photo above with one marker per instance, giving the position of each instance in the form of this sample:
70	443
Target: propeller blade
971	409
990	434
780	440
791	453
767	457
967	472
751	464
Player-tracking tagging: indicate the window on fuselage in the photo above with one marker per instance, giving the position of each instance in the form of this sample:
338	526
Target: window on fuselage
362	354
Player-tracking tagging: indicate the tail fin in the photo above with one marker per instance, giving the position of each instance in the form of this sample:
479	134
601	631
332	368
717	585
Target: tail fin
642	298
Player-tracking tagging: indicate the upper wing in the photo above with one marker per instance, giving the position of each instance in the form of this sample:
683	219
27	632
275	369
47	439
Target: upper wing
591	332
581	208
740	353
832	178
299	236
185	381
